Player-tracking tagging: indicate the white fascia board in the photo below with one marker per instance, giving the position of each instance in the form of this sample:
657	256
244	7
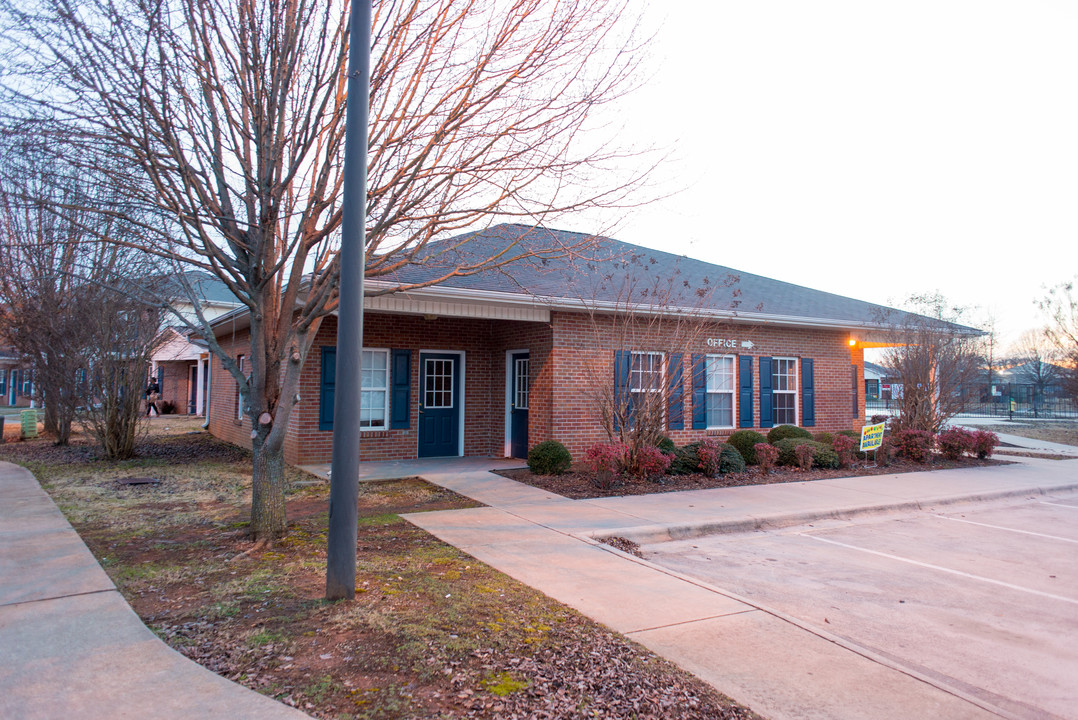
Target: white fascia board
462	295
457	302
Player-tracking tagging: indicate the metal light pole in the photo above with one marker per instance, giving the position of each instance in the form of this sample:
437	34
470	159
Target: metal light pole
344	476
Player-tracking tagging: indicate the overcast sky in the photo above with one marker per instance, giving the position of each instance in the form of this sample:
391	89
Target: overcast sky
870	149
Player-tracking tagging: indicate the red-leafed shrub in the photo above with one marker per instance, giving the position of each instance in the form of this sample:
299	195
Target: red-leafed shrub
985	443
651	462
915	445
606	460
955	442
708	455
844	445
804	454
766	456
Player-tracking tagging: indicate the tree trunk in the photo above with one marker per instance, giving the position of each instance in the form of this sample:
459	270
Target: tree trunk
52	426
268	520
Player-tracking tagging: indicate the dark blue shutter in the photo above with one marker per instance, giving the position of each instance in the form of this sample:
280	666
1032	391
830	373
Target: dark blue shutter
767	418
622	358
699	392
808	393
744	395
675	410
3	382
400	404
329	383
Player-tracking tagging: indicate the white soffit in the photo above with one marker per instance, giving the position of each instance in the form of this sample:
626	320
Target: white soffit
444	307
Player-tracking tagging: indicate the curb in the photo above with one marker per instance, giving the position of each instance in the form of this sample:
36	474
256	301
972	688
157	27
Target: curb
656	533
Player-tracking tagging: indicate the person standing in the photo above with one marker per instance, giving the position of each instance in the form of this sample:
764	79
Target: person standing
153	393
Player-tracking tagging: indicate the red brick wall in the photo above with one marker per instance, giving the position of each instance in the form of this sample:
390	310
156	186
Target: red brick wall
176	383
583	357
571	357
223	395
484	343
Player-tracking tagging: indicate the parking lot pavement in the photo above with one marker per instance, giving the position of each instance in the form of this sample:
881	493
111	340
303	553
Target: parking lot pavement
981	600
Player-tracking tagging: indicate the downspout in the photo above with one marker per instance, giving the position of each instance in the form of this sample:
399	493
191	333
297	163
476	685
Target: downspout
206	400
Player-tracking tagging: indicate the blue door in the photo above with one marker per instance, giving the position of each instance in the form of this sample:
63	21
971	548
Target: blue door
518	405
439	405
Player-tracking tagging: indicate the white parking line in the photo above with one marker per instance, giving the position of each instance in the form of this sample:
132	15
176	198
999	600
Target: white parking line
943	569
1014	530
1072	507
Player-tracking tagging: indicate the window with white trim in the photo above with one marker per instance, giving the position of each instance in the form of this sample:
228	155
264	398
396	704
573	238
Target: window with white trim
645	381
784	390
721	385
374	390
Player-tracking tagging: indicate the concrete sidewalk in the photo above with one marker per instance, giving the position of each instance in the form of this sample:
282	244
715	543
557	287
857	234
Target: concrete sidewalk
70	646
773	663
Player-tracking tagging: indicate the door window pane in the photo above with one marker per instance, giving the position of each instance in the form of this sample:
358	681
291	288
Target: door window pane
438	383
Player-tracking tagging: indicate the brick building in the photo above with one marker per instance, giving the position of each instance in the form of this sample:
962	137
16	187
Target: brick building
180	363
493	363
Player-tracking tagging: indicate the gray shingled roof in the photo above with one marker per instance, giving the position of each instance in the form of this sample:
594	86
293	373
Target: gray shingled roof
206	287
601	278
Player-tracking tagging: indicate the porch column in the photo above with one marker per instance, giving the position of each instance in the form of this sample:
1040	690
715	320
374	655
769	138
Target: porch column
200	403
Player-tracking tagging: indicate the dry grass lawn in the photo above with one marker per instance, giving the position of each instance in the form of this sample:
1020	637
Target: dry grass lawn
432	633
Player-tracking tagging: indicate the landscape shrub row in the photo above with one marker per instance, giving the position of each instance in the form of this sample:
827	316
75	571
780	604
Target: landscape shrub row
785	445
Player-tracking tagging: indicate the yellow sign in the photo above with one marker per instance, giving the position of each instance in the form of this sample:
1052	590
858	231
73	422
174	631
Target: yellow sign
871	437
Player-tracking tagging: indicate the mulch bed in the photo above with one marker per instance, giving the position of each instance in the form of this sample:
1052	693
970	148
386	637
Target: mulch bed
579	484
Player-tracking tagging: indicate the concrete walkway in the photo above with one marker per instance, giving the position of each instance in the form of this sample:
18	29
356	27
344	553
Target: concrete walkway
771	662
71	647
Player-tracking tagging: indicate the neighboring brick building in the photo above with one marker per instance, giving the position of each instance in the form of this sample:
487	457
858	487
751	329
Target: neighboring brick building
181	362
491	364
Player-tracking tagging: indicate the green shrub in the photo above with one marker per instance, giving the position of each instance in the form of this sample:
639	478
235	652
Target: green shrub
823	457
666	445
549	458
730	461
685	460
745	442
782	432
824	437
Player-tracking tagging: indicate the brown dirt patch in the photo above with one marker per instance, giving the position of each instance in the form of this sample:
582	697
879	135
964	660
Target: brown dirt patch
432	633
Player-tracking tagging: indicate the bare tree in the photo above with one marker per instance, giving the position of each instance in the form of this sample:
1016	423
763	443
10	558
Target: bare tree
936	359
1061	307
46	256
226	117
123	333
650	320
1035	355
